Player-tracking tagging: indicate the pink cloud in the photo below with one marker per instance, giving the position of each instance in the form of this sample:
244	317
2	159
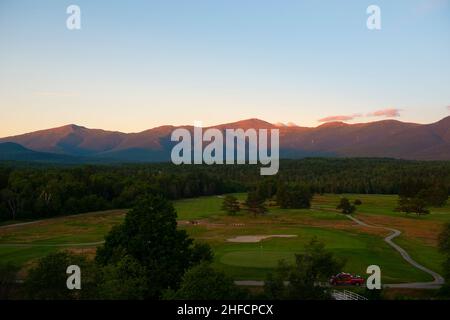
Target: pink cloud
388	113
448	107
339	118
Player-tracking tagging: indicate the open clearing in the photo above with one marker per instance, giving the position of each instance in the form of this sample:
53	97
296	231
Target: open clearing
203	219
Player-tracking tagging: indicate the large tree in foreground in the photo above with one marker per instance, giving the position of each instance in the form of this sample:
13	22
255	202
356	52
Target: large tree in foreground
8	284
299	281
203	282
47	280
150	243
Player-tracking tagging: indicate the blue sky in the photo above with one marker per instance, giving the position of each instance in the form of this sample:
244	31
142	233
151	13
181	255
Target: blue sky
138	64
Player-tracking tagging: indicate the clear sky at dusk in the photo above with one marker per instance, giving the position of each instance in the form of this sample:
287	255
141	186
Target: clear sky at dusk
139	64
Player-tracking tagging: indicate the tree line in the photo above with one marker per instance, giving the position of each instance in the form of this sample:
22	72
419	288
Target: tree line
33	192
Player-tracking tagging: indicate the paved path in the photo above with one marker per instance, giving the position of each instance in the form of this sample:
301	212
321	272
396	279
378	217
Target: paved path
20	224
80	244
435	284
21	245
438	279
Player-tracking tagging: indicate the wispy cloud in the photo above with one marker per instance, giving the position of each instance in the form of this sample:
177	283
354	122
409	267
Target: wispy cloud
388	113
340	118
57	94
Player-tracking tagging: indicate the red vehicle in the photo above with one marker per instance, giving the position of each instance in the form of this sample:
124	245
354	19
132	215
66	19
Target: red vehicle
346	279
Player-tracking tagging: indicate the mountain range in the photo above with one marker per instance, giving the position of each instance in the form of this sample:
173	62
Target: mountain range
386	138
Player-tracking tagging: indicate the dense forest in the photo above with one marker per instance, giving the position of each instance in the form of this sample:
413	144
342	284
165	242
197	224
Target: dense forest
39	191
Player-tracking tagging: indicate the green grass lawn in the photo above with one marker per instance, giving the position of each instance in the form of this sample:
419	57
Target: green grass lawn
39	239
379	205
23	255
202	207
426	255
384	205
252	261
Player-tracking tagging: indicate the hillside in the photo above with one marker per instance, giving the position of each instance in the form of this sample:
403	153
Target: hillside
387	138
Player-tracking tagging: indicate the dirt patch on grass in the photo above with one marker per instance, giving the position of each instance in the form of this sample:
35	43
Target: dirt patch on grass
221	227
98	223
258	238
425	230
89	253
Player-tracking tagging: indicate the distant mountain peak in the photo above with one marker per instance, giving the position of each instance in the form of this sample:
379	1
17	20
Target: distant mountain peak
385	138
254	123
333	124
74	126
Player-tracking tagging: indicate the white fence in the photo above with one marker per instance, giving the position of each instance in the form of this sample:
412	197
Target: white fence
346	295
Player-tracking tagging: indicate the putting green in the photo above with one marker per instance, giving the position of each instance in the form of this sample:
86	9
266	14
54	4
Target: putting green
359	250
256	259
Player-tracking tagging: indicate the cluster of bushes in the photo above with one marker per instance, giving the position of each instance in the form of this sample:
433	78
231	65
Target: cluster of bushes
292	196
416	195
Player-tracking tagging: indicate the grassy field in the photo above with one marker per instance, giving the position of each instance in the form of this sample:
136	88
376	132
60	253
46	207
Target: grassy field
22	244
419	233
360	246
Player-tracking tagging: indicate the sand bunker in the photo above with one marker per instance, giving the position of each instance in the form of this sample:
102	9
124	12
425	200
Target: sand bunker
259	238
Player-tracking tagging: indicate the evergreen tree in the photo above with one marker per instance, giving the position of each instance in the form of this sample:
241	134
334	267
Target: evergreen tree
293	196
231	205
150	241
255	204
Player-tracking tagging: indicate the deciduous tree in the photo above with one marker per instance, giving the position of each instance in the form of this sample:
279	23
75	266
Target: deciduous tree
345	206
299	281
